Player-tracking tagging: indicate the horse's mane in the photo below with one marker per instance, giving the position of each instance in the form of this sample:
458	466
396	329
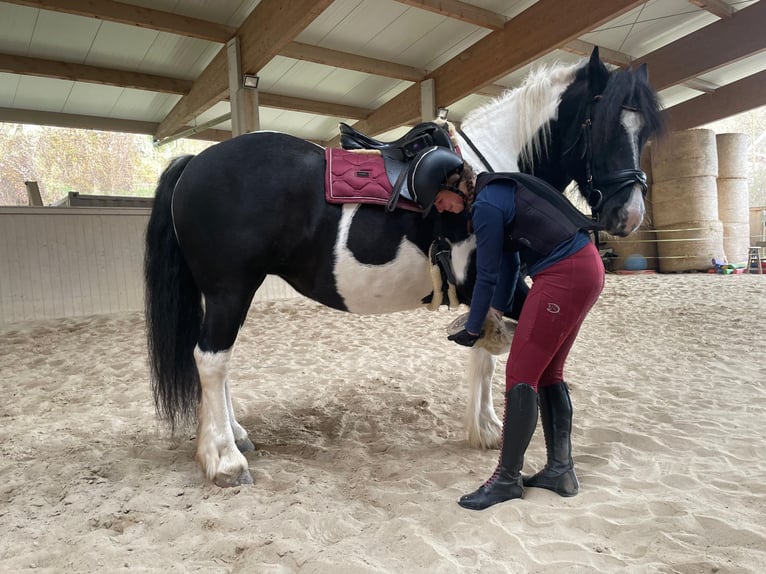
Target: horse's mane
534	104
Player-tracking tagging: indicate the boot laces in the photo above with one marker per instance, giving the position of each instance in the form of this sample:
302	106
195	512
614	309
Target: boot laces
498	468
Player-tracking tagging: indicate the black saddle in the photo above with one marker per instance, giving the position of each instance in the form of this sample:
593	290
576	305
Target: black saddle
422	136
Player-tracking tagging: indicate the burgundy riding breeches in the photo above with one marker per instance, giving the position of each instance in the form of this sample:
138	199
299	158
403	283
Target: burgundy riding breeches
556	306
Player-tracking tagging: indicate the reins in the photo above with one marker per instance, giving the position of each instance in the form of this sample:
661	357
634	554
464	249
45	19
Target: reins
476	150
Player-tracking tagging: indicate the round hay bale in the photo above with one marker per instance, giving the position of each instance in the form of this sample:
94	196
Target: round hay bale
736	241
688	153
733	201
690	246
732	155
685	199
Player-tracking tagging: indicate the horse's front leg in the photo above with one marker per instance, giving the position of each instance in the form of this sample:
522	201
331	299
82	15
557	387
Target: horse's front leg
243	442
483	428
217	452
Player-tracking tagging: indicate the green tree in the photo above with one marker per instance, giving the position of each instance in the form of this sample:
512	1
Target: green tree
87	161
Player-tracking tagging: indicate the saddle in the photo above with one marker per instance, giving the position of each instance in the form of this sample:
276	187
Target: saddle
422	136
398	155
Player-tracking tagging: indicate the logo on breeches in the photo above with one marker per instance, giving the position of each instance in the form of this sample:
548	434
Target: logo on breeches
553	308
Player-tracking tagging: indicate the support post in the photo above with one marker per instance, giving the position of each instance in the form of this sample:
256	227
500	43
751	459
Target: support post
33	194
243	101
427	100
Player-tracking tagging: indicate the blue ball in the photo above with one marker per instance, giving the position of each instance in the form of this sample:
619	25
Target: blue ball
635	262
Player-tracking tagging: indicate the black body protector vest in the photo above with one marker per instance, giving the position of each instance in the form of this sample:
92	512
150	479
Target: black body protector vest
544	217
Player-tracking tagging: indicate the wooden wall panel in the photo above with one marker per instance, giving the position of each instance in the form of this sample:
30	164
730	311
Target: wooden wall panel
68	261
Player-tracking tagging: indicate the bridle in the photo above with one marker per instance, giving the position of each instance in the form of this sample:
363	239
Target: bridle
611	183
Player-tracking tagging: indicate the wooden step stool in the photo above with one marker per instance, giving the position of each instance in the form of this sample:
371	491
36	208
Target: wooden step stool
754	258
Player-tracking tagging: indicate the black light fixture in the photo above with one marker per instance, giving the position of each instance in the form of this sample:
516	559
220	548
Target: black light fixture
250	81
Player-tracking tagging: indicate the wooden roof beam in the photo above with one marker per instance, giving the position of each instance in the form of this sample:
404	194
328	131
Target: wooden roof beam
136	16
95	75
735	98
265	32
82	122
708	48
461	11
717	7
545	26
92	74
312	106
348	61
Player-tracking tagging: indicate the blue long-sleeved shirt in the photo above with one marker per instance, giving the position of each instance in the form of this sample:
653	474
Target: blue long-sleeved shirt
497	265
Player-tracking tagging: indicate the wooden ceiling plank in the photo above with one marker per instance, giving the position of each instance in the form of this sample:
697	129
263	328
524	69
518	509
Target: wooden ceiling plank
355	62
461	11
717	7
545	26
735	98
91	74
312	106
708	48
267	30
136	16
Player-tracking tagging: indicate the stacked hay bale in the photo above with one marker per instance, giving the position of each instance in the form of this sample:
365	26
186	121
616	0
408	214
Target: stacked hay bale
638	251
685	201
733	195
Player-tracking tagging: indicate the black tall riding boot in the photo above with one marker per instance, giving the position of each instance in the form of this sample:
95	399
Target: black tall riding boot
556	416
519	425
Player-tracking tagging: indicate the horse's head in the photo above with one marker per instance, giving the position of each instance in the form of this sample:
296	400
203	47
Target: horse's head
605	119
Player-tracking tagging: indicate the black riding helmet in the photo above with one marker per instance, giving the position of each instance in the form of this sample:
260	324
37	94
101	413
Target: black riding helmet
429	172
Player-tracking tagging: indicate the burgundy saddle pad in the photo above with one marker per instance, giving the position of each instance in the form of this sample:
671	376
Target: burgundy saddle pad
352	177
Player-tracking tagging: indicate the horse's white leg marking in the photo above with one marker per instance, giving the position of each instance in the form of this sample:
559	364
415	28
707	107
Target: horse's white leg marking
240	434
634	208
217	454
482	427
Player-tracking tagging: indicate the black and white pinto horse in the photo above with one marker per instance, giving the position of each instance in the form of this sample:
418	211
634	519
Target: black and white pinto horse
254	205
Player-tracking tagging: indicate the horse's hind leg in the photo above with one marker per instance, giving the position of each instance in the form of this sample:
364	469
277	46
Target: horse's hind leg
217	452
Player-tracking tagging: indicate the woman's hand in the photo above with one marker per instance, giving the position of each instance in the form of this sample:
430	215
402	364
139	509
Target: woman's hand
464	338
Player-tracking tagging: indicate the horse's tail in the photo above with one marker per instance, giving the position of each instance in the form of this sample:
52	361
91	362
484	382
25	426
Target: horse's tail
173	308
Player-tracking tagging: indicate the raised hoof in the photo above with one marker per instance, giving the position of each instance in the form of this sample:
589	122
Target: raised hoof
245	445
244	478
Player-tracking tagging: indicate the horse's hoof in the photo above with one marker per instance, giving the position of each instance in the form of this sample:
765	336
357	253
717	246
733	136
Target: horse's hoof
245	445
223	481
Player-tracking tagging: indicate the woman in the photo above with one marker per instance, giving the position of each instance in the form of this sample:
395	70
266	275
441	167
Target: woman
519	219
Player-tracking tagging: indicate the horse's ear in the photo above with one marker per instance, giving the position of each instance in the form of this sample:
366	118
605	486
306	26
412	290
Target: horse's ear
643	73
598	74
